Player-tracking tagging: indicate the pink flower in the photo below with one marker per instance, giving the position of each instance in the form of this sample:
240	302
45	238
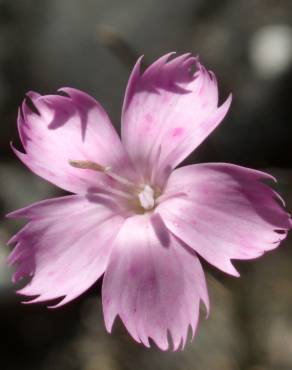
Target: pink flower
133	216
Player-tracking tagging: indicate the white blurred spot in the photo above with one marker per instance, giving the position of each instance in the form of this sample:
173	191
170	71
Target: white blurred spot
270	50
146	197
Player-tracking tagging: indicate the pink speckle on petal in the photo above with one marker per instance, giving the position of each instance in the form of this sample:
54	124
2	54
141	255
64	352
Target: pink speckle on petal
148	123
149	118
177	132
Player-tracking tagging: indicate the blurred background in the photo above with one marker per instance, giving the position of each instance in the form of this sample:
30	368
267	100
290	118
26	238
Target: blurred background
92	45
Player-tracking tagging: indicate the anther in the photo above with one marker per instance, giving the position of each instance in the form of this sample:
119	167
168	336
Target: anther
88	165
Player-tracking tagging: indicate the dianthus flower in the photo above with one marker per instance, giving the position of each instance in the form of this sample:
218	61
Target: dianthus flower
134	216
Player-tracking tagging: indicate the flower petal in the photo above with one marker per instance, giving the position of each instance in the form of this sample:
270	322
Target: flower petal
224	212
65	246
168	111
61	128
154	283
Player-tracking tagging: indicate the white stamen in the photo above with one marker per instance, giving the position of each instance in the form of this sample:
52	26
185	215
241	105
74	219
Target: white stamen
146	197
120	179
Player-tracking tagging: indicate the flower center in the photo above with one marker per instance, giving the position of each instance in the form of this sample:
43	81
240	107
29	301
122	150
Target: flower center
147	198
141	198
